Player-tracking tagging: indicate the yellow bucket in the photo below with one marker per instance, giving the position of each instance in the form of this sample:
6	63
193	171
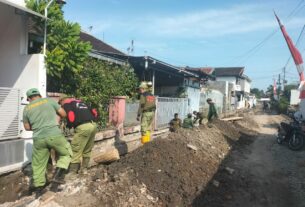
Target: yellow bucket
145	138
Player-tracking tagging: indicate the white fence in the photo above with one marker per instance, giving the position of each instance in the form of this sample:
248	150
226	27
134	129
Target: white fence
167	107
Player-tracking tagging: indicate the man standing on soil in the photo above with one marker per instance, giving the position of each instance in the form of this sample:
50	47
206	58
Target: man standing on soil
212	110
188	122
40	117
81	119
175	123
146	111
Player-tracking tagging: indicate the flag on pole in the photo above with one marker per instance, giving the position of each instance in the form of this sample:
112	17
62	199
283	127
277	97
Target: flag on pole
297	57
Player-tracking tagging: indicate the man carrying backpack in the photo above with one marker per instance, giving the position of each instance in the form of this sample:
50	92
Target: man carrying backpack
82	119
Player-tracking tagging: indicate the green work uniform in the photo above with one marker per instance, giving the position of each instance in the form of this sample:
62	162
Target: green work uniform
83	141
146	111
40	114
212	112
188	123
175	124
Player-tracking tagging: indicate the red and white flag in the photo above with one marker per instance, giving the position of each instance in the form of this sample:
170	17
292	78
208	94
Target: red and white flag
297	57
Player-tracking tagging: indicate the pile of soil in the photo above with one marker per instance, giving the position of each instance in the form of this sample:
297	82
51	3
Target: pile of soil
13	186
170	171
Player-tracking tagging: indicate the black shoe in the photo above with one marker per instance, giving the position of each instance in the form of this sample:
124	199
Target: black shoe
39	191
59	176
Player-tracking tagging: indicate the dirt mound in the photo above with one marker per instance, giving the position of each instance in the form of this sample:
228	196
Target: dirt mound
170	171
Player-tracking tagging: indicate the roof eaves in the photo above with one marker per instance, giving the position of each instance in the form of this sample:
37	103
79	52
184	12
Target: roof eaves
22	8
178	69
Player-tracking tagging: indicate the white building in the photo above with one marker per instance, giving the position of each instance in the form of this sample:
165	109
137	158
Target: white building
21	67
241	83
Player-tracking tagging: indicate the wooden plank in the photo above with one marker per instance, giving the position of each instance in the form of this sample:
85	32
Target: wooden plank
232	119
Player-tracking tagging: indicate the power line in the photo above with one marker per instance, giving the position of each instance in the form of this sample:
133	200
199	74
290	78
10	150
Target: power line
254	49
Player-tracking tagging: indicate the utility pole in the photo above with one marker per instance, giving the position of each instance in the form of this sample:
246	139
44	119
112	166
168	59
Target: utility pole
284	78
279	86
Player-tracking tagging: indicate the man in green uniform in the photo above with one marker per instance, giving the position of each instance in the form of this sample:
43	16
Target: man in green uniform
198	116
175	123
40	117
146	110
212	110
82	119
188	122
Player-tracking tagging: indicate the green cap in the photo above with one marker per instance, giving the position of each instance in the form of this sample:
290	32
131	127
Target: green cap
32	91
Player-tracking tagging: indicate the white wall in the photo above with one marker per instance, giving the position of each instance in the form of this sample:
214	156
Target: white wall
17	69
228	79
294	97
193	95
245	85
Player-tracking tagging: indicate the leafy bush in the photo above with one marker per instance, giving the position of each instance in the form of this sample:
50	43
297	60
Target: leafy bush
100	81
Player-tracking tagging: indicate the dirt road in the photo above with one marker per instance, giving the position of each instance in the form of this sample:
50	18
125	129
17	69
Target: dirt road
265	173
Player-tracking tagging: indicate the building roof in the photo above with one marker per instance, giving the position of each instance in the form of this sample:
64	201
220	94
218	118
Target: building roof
153	63
206	72
21	8
98	45
229	71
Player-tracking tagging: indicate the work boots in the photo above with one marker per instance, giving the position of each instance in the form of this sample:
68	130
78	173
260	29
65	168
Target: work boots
85	165
73	170
58	179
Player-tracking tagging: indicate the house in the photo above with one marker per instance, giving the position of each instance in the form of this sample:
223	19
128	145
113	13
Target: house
168	80
240	82
21	67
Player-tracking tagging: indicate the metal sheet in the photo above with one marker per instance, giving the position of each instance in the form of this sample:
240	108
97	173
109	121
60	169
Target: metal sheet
11	152
167	107
9	113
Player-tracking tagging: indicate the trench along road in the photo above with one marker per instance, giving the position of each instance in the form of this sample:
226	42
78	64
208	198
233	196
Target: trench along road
274	175
277	173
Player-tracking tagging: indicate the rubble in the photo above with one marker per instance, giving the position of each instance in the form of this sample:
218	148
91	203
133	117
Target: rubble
164	172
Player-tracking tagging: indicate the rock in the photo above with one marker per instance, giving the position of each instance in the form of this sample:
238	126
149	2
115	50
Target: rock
229	170
192	147
34	203
216	183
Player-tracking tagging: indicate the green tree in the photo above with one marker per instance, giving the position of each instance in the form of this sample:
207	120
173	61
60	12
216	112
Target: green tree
101	80
66	53
258	93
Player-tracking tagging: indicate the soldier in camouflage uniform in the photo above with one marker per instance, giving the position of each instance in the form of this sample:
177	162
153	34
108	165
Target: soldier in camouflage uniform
175	123
147	109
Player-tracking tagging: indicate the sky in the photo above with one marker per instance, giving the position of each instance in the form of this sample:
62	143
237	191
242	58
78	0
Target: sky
198	33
